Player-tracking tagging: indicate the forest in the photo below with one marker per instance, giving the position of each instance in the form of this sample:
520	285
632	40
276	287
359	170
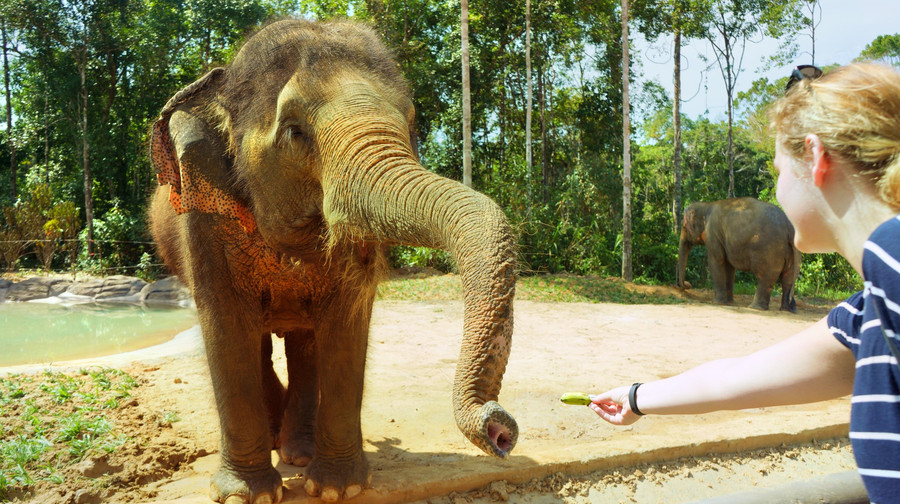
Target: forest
83	81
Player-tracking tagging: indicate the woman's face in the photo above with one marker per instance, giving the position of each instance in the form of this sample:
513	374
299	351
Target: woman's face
801	201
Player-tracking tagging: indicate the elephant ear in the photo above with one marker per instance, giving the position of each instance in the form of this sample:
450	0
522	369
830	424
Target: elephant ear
688	219
190	156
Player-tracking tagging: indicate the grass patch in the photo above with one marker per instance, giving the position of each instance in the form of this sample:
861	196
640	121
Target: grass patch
562	288
52	420
568	288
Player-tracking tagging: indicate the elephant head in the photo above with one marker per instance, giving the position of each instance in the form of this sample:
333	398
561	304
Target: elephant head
693	232
307	138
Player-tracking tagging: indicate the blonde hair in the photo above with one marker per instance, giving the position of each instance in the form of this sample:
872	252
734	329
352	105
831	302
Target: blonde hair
855	111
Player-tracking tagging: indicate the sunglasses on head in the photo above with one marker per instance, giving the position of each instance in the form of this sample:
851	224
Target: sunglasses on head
803	72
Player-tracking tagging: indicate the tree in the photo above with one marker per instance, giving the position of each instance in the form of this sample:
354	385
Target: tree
466	98
731	25
86	34
815	17
680	17
884	48
627	272
528	100
6	30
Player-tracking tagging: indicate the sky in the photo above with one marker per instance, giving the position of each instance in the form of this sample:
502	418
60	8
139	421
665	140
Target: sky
846	27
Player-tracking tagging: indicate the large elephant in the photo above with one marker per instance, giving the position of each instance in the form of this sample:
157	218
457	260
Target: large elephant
742	234
283	178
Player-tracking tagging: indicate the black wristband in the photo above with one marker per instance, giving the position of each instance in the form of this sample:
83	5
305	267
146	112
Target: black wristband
632	399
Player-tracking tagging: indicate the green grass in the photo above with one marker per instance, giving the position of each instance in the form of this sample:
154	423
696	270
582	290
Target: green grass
52	420
546	288
568	288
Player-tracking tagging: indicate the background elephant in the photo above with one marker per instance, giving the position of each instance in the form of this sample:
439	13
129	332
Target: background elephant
742	234
283	178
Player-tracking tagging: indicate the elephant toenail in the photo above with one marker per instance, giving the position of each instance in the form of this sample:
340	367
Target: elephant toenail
279	493
235	499
263	499
352	491
330	494
214	493
311	488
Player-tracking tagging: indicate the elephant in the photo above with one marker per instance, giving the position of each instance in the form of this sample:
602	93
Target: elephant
742	234
284	177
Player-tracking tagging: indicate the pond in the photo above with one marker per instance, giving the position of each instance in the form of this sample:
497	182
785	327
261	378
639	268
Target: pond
32	333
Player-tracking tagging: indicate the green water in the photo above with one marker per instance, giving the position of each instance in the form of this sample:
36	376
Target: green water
32	333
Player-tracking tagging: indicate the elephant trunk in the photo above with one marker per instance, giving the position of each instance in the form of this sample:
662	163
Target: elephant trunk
376	189
684	249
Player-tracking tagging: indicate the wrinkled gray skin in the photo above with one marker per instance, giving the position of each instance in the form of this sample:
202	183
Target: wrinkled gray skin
742	234
310	130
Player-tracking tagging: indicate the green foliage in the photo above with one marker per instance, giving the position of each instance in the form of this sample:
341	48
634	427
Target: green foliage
40	223
166	419
566	208
827	276
885	48
119	241
422	257
60	420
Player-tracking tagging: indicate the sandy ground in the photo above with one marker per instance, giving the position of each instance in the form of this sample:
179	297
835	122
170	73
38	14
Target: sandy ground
565	453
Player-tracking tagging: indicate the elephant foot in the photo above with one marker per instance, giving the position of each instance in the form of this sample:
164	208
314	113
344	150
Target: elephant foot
296	450
332	481
760	304
258	487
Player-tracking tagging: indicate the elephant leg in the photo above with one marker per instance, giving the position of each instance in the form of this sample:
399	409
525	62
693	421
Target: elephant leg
339	468
788	303
272	388
718	271
297	427
764	284
235	363
729	283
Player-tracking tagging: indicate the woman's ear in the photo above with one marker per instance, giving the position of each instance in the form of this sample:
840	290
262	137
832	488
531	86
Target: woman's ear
820	161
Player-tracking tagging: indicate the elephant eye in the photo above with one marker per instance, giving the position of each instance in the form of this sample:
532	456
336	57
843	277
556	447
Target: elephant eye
291	134
295	132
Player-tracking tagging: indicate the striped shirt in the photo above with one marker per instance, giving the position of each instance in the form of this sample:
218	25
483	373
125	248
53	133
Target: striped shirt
875	406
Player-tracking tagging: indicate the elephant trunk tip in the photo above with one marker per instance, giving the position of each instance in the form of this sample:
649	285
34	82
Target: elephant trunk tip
501	438
499	431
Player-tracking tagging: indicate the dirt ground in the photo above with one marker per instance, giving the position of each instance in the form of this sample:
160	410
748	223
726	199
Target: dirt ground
564	454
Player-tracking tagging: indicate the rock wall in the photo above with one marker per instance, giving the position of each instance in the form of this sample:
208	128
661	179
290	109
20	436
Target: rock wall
113	289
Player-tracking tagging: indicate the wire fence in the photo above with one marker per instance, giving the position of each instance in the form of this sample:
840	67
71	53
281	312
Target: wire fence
77	260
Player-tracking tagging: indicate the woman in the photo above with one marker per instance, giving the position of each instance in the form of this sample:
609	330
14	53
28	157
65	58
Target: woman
838	160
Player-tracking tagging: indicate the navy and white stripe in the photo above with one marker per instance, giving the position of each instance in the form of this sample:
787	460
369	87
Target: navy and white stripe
875	406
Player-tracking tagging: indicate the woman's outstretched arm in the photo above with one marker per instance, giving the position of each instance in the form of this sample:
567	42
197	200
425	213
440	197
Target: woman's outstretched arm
810	366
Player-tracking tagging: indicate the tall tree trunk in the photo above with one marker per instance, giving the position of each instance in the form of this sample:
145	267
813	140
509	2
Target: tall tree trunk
466	98
528	101
85	154
730	148
46	135
13	164
542	107
503	113
627	272
729	90
676	124
813	5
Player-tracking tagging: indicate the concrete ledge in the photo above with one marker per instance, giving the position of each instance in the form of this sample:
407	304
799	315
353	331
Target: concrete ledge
840	488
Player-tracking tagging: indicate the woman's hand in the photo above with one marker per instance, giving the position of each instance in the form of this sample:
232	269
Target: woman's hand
613	406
